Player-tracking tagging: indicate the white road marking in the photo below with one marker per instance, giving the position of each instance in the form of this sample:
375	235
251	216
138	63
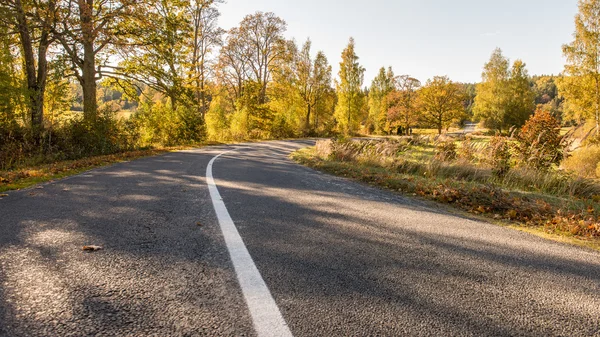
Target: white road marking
266	316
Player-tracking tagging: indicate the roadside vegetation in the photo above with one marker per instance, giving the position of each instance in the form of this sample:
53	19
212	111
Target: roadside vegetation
496	177
182	80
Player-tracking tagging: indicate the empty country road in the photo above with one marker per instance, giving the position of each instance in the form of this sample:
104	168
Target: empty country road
338	258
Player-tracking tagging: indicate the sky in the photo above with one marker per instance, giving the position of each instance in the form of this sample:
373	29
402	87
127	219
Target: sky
425	38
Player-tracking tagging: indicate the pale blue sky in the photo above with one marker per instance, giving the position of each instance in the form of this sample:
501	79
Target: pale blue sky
425	38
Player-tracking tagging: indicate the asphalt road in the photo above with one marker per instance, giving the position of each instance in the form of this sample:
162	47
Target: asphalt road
340	258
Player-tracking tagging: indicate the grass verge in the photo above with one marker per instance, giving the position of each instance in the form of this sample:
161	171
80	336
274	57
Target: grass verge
546	216
28	176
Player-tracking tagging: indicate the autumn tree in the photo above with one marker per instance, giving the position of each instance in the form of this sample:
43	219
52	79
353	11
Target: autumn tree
581	84
86	30
381	86
540	143
505	97
349	93
157	56
492	93
206	37
521	100
403	109
261	35
441	102
233	64
312	79
12	90
33	21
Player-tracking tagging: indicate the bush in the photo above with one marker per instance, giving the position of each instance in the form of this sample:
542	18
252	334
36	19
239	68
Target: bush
446	151
324	148
499	155
540	142
584	162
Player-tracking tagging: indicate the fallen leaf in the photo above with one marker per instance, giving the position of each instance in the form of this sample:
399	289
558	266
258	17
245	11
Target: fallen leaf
198	223
3	195
91	248
31	194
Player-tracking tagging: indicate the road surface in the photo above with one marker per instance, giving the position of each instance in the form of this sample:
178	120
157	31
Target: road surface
338	258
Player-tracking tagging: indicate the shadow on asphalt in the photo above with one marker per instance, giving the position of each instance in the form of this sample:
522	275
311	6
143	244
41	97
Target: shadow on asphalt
329	267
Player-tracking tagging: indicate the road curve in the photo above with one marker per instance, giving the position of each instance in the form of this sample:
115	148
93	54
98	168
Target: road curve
339	258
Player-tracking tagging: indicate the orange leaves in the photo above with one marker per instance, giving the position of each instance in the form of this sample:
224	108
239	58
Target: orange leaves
91	248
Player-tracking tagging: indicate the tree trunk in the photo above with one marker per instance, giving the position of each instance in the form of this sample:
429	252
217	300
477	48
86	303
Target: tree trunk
349	112
597	105
174	102
88	84
88	69
36	82
307	122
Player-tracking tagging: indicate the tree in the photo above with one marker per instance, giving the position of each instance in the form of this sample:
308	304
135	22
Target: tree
262	36
34	22
403	109
581	86
86	29
233	66
312	78
206	36
12	91
441	102
381	86
521	101
493	92
505	97
158	58
348	90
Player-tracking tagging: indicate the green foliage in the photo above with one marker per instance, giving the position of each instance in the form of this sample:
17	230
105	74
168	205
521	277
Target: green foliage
521	97
441	102
350	105
217	120
381	87
72	139
160	124
239	124
505	98
492	92
12	86
581	85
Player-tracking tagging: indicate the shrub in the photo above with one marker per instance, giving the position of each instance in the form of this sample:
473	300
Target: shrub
540	142
499	155
445	151
324	148
584	162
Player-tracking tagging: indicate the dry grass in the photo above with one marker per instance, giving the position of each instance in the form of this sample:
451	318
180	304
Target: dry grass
549	201
31	175
584	162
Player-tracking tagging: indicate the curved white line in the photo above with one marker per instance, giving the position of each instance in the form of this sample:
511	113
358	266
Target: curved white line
266	316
